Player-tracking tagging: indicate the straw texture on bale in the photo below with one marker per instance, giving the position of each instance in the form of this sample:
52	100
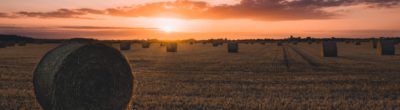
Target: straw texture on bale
83	77
145	45
172	47
329	49
233	47
386	47
125	46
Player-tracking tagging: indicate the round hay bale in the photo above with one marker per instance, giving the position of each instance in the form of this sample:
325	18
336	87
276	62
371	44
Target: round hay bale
358	43
125	46
3	45
374	44
145	45
216	44
233	47
22	44
83	77
162	44
386	47
10	44
279	44
172	47
329	49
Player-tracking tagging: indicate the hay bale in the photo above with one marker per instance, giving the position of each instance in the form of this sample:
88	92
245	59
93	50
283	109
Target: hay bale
22	44
358	43
162	44
279	44
10	44
233	47
386	47
329	49
125	46
374	44
145	44
172	47
3	45
83	77
216	44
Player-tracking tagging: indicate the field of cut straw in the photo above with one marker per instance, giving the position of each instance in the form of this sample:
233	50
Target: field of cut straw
258	77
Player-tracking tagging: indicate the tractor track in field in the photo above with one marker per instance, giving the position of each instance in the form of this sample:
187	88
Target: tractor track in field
307	58
285	57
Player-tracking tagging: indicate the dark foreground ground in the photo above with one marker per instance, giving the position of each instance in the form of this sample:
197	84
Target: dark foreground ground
258	77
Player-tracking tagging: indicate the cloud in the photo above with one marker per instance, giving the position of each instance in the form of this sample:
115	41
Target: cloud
245	9
80	31
6	15
62	13
100	27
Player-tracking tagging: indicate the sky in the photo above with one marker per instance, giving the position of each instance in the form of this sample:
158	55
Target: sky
199	19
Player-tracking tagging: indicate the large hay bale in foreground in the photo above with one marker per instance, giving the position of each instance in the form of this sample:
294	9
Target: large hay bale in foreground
386	47
125	46
172	47
145	44
83	77
329	49
233	47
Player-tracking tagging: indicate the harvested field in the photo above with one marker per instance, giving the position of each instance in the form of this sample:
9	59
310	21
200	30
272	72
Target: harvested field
258	77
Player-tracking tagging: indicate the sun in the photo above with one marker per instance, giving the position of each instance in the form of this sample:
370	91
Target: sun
168	29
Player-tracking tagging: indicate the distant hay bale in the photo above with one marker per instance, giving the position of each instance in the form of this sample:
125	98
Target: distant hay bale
374	44
233	47
386	47
216	44
162	44
83	77
279	44
358	43
172	47
263	43
309	42
125	46
295	43
3	45
10	44
329	49
22	44
145	44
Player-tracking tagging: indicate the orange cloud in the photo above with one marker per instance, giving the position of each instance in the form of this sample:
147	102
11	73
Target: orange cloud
246	9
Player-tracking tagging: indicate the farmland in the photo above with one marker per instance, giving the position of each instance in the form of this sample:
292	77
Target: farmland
201	76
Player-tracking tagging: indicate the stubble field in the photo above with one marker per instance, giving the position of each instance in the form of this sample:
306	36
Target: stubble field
259	77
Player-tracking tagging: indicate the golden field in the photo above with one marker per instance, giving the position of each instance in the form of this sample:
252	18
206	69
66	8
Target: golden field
259	77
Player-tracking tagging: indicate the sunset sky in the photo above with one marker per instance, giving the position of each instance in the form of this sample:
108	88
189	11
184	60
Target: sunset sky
199	19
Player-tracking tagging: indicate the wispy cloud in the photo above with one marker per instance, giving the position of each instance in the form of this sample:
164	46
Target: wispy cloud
245	9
